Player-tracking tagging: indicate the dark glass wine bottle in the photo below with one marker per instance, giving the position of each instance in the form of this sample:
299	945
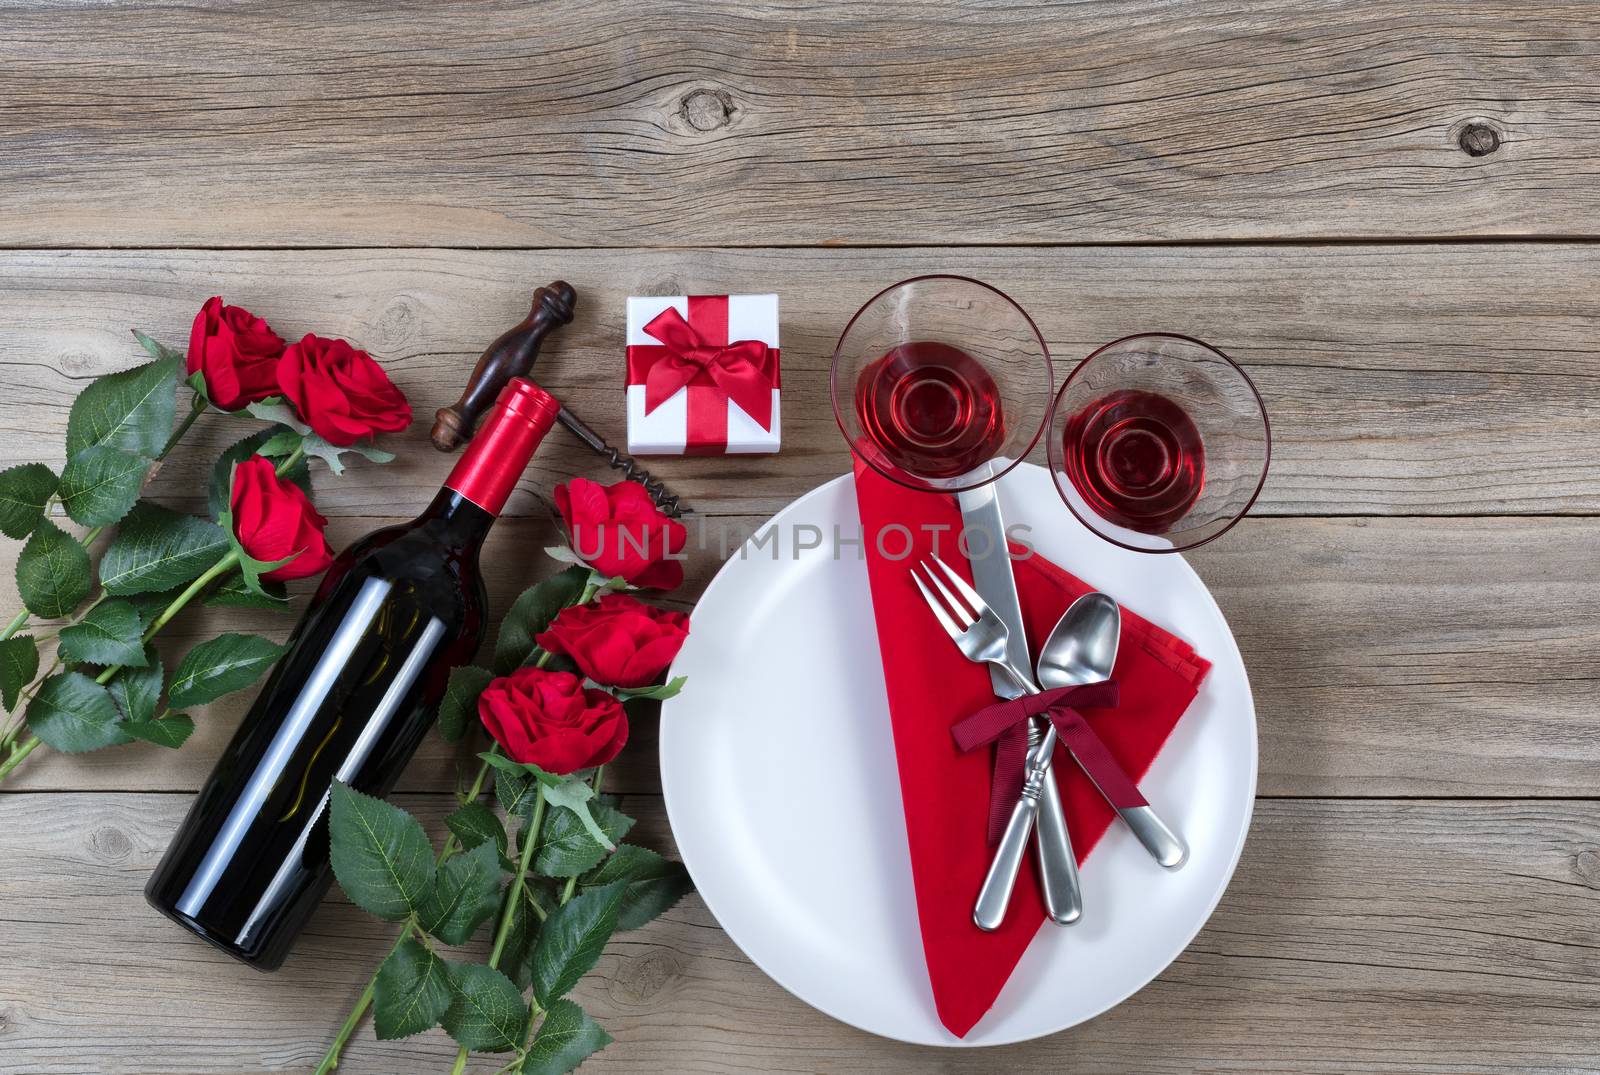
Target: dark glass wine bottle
350	700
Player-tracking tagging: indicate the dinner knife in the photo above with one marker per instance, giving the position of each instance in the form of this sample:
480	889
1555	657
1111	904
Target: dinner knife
984	530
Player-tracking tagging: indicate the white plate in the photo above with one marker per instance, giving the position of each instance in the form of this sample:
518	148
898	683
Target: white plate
779	771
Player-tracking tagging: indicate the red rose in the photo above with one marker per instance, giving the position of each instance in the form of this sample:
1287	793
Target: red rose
237	352
619	640
342	394
273	519
618	531
551	720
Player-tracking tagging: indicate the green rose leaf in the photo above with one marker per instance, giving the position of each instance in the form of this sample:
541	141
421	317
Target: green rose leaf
24	491
458	710
532	613
486	1011
574	794
238	452
19	663
658	693
73	714
513	788
563	554
151	605
101	484
653	883
330	453
274	409
108	634
172	730
474	825
156	349
380	854
53	572
411	992
221	666
131	410
156	549
572	938
524	934
567	848
284	442
465	892
565	1039
235	592
135	691
502	764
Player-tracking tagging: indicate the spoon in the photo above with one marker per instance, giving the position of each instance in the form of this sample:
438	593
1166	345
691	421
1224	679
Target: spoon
1073	656
1081	649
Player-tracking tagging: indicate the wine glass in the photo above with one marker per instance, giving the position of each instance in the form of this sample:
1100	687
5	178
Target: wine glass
1159	442
941	383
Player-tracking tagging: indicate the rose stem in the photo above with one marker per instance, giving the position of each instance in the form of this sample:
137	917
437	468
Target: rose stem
330	1059
17	755
195	410
502	933
572	884
216	569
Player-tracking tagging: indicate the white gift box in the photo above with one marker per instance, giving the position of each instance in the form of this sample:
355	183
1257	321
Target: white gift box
725	340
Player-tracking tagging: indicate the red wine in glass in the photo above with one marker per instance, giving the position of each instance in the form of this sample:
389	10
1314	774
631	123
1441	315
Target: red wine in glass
1137	459
930	409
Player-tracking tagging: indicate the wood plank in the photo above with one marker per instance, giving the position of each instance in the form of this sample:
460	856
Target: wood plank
1388	657
1369	936
662	123
1400	379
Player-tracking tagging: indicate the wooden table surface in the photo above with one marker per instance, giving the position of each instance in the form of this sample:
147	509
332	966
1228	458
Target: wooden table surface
1387	212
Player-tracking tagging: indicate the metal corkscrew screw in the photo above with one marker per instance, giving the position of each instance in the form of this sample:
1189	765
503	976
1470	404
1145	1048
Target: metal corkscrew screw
513	355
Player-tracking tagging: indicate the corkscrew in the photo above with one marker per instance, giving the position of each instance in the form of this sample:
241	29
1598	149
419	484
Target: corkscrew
513	355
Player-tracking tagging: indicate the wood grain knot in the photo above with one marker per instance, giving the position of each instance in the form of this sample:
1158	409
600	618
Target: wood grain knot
1478	139
397	323
110	844
1586	868
707	110
640	979
81	363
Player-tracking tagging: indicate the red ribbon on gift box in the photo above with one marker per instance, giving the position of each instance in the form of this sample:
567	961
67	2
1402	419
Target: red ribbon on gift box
696	355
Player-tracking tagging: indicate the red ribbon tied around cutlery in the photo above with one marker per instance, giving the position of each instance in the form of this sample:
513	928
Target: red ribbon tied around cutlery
736	368
1005	724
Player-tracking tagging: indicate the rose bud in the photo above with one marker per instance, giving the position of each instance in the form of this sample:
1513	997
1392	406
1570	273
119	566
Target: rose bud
619	640
274	519
617	530
340	392
551	720
236	351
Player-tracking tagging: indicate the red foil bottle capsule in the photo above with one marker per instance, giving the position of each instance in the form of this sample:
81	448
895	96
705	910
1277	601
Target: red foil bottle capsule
496	457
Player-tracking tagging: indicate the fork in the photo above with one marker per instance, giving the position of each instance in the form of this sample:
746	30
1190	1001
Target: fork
982	636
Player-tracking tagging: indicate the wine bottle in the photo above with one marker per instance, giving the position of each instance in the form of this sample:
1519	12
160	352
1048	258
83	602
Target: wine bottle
350	700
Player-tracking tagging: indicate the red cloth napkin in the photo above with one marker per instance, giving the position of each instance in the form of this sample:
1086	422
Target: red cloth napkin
946	792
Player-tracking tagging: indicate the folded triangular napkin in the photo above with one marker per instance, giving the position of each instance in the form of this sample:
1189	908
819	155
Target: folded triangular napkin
946	792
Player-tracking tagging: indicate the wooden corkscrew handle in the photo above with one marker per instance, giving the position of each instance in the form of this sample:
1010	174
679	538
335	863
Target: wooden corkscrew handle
509	356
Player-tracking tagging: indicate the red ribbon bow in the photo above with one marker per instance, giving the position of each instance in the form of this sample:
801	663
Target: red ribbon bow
735	368
1006	725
